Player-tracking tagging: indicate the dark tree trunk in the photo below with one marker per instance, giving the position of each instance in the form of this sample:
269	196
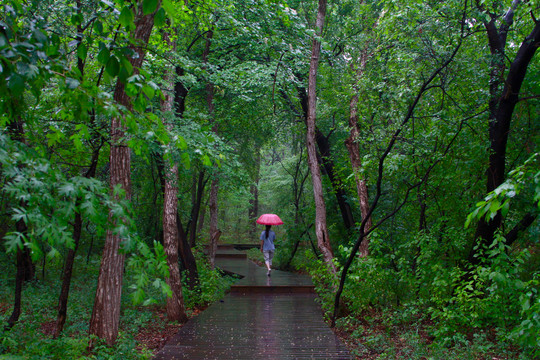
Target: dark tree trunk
186	256
323	143
198	192
254	201
502	106
106	312
215	233
25	266
23	270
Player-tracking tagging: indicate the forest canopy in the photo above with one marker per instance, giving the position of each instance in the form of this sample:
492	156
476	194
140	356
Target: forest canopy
398	141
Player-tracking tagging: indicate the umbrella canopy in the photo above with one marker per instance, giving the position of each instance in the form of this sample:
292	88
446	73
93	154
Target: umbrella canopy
269	219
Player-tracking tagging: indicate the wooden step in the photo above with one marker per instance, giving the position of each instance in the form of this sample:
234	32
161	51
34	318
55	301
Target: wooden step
273	289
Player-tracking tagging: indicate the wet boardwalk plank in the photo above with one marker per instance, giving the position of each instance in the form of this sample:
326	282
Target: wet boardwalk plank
255	324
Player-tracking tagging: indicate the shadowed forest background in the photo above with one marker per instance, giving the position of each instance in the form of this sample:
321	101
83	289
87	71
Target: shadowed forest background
397	140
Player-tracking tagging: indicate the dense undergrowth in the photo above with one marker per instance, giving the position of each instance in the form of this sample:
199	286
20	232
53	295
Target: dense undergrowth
31	338
423	304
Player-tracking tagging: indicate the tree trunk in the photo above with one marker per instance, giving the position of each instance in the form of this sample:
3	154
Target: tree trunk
196	203
22	274
324	158
106	312
184	249
323	240
186	256
70	260
323	143
254	201
214	231
356	162
501	109
175	304
25	266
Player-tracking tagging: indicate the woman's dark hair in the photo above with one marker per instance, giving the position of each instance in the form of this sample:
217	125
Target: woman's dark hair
268	230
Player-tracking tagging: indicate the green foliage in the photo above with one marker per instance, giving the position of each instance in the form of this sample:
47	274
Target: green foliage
149	266
212	285
527	333
47	201
524	178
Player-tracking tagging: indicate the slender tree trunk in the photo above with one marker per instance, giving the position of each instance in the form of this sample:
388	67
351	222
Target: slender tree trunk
70	259
198	191
254	201
321	229
186	256
106	312
323	143
356	162
22	274
25	266
175	304
215	233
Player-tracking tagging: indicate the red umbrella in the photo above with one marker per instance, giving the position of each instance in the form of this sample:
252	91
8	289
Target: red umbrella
269	219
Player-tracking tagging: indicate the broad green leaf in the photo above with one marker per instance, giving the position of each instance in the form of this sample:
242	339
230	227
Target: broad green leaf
149	6
160	18
16	85
126	18
82	51
104	55
113	67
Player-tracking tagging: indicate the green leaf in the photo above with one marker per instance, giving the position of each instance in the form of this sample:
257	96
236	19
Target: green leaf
126	18
185	160
82	51
16	85
104	55
149	91
98	27
113	66
149	6
206	160
160	18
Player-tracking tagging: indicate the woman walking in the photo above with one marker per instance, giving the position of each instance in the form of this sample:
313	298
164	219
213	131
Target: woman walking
267	247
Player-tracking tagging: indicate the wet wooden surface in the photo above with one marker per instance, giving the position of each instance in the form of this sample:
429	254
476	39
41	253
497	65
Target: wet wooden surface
263	318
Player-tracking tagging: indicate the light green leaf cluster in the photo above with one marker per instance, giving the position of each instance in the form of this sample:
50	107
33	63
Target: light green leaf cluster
526	176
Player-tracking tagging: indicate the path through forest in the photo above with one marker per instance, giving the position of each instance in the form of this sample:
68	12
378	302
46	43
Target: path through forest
262	317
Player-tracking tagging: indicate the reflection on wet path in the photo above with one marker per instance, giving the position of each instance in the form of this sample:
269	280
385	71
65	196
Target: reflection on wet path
263	318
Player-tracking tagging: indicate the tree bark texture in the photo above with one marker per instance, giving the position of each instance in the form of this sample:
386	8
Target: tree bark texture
175	304
106	312
321	229
361	187
501	107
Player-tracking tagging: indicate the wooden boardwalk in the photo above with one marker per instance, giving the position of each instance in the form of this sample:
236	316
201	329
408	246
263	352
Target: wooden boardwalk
262	317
